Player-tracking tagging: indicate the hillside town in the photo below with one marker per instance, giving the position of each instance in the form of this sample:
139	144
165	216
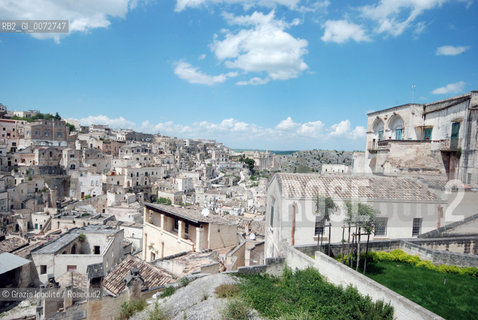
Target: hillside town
132	213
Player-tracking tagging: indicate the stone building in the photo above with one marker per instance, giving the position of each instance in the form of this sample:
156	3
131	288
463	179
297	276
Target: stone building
438	138
169	230
11	133
77	249
47	132
406	207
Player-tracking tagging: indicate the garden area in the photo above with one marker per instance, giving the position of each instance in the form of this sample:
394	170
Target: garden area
302	294
449	291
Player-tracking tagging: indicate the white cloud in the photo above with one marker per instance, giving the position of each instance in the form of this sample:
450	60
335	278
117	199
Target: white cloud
192	74
286	134
340	128
262	46
183	4
253	81
451	88
341	31
291	4
395	16
451	50
83	15
343	128
120	123
312	129
420	28
287	124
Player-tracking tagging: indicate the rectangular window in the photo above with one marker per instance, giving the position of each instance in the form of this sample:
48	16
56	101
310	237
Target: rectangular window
97	249
70	268
186	228
381	226
380	135
427	134
153	256
272	216
417	227
455	134
319	226
43	269
176	225
467	248
398	134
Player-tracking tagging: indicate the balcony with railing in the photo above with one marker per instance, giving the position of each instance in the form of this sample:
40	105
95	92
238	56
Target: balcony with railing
385	145
448	145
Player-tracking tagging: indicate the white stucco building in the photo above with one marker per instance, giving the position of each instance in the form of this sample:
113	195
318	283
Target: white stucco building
407	208
77	249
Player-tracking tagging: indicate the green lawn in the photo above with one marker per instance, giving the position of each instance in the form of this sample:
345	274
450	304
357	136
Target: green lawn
457	299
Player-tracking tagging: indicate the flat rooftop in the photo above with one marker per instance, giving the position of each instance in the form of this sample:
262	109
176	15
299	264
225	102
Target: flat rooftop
67	238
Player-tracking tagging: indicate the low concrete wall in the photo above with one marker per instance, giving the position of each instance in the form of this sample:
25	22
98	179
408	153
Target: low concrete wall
448	230
441	257
336	248
452	244
272	266
439	251
339	274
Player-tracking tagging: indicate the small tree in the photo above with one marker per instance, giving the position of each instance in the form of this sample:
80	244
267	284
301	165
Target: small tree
363	216
325	206
249	162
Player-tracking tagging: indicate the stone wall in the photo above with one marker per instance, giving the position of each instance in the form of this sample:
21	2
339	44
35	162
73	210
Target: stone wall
272	266
449	251
441	257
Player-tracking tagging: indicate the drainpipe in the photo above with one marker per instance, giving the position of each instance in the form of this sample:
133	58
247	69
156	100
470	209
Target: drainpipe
293	226
440	214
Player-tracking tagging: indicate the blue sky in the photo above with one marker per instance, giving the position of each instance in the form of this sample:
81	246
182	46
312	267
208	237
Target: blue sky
278	74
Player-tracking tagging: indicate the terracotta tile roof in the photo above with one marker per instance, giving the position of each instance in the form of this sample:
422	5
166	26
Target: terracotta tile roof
192	262
307	186
153	276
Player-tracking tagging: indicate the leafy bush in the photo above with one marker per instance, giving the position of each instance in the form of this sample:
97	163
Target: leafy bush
400	256
168	292
184	281
304	294
426	264
236	310
162	200
131	307
227	290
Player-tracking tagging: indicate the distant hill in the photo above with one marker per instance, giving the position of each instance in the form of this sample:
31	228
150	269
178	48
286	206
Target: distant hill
312	160
262	150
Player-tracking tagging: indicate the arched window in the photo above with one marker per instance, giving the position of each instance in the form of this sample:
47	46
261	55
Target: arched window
378	129
396	126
